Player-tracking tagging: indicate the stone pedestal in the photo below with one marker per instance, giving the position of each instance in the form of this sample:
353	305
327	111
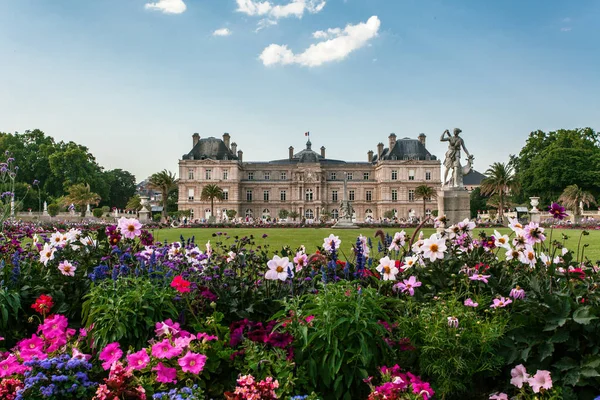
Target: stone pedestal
144	215
535	216
345	221
455	204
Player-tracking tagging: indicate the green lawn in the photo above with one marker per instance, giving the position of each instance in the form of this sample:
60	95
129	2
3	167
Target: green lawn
278	237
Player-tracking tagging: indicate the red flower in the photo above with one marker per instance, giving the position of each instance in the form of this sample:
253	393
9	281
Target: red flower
43	304
180	284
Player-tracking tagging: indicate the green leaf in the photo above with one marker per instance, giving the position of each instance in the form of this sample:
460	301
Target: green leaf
571	378
565	364
560	336
582	316
589	373
546	350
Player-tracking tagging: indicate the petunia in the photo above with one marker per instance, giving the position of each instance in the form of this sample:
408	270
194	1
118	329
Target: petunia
138	360
192	362
541	380
111	353
165	349
165	374
519	376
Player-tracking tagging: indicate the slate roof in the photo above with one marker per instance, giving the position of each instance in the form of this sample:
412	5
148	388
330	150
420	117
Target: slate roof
474	178
406	149
212	148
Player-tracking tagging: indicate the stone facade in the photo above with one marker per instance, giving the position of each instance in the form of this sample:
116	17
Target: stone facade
307	181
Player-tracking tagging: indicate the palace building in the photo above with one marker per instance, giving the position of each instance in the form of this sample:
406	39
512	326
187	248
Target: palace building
307	181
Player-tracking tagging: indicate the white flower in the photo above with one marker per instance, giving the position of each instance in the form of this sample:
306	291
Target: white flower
73	234
398	241
88	241
545	259
466	225
67	268
528	256
57	239
364	245
409	262
515	225
512	254
209	250
36	239
230	256
388	268
331	242
175	251
47	253
453	231
278	268
501	240
434	248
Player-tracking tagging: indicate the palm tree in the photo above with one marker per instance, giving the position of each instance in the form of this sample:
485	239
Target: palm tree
81	195
500	180
212	192
134	203
426	193
573	196
165	182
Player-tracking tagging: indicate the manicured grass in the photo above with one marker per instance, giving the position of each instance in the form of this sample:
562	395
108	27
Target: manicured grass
294	237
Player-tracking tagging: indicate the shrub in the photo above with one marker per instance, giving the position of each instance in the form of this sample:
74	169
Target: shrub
97	212
53	210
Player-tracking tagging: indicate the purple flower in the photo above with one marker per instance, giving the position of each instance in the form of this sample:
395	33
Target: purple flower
557	211
517	293
470	303
501	302
478	277
453	322
408	285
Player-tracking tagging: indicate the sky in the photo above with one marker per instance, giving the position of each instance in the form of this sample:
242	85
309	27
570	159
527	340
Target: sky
133	79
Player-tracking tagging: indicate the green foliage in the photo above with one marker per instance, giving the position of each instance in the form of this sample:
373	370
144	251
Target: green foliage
455	360
478	202
210	193
126	310
283	213
134	203
53	210
231	214
97	212
425	193
344	343
10	308
122	187
572	197
81	195
500	181
165	182
294	214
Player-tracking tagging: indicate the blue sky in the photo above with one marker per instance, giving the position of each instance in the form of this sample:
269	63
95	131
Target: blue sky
133	81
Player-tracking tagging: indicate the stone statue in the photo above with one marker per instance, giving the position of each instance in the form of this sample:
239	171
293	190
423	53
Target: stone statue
452	161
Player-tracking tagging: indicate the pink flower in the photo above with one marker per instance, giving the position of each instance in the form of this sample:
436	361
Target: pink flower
519	376
517	293
165	349
33	347
477	277
79	355
138	360
499	396
67	268
10	366
192	362
541	380
206	337
501	302
56	343
408	285
54	326
453	322
129	227
300	260
165	374
470	303
111	353
167	327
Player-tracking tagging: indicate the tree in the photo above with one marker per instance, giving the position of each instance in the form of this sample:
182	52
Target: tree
500	180
231	214
573	196
121	186
283	213
165	182
80	195
426	193
294	215
210	193
389	214
134	203
478	202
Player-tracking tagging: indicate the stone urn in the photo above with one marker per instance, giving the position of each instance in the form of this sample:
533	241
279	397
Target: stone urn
534	201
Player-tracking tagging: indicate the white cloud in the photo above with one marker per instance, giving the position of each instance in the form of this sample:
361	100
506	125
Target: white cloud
565	29
295	8
222	32
265	23
344	42
167	6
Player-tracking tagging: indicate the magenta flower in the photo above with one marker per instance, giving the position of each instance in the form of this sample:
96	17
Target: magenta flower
557	211
167	327
10	366
478	277
519	376
517	293
499	396
111	353
501	302
165	349
541	380
408	285
192	362
204	337
33	347
165	374
54	326
453	322
470	303
138	360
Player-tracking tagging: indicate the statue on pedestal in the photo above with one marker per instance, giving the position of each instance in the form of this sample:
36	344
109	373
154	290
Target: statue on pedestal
452	160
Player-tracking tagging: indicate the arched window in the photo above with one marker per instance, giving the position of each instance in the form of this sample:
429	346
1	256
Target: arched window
428	212
266	213
309	195
191	213
335	214
309	214
248	213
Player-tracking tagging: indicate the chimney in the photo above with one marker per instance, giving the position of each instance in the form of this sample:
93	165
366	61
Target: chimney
323	151
379	151
422	138
234	147
226	138
291	152
195	139
370	155
240	155
392	138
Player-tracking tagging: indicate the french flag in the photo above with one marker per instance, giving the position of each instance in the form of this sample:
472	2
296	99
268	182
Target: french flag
306	133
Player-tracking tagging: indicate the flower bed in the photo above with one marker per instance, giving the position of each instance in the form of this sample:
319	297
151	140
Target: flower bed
107	313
